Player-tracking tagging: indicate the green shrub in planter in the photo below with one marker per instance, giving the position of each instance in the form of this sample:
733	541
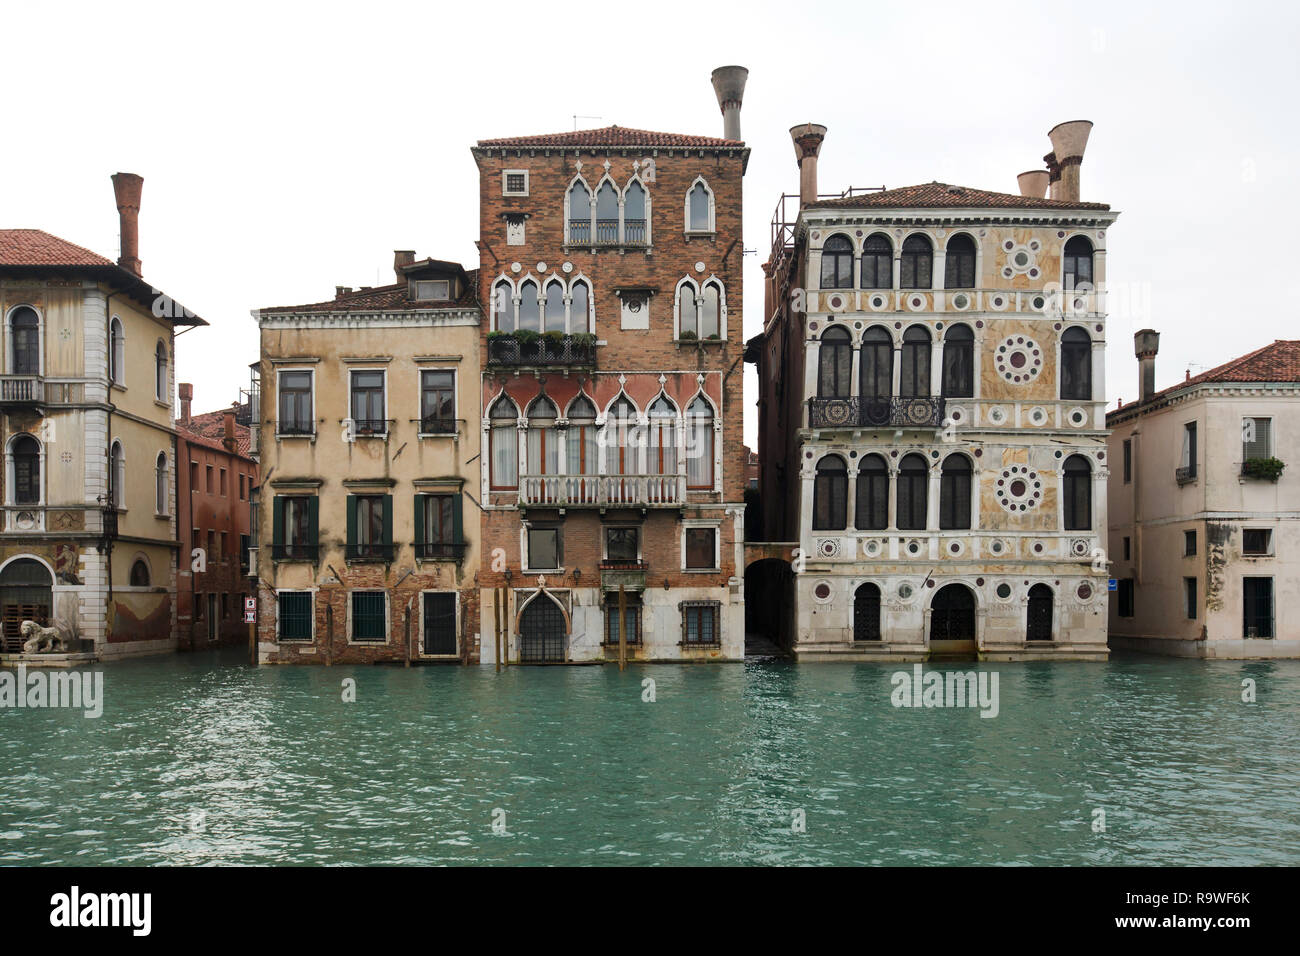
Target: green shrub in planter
687	336
554	338
526	336
583	339
495	336
1268	469
714	337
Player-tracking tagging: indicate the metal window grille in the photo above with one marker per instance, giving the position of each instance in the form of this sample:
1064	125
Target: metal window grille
368	620
295	616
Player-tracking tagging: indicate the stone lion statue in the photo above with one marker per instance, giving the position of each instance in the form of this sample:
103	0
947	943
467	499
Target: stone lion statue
56	639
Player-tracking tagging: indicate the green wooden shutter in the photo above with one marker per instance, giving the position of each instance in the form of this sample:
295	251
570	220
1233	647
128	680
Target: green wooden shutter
388	519
457	523
277	522
352	520
313	521
419	519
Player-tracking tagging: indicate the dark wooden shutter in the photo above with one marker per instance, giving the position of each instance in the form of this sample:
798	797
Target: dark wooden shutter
352	520
277	522
313	521
457	521
419	519
388	520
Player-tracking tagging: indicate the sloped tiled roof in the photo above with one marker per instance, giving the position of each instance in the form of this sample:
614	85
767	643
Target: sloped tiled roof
1276	363
611	136
938	195
35	247
384	298
210	429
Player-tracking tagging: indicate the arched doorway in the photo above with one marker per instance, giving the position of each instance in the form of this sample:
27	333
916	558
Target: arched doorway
769	606
1039	620
952	621
542	632
866	613
24	595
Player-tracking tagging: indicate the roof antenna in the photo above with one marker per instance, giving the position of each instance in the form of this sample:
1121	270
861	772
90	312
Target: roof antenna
578	116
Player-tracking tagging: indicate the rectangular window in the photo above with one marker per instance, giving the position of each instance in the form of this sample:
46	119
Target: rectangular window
208	479
1257	607
200	599
212	545
1128	460
245	542
439	623
1189	543
294	527
700	623
1187	460
225	606
196	538
295	416
368	616
194	476
544	548
514	182
1256	541
225	546
1189	597
701	549
294	613
1256	438
432	289
1128	549
438	531
368	415
633	628
1125	595
437	402
223	482
241	486
369	528
622	545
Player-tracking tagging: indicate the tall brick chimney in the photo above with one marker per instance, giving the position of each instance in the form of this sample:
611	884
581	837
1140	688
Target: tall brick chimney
127	188
402	257
1146	344
228	419
729	86
807	144
186	391
1069	140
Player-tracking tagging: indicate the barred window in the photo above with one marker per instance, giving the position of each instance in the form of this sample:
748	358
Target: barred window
368	617
633	606
294	611
701	623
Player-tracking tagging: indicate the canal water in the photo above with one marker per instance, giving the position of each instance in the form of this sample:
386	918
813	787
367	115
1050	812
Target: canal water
198	760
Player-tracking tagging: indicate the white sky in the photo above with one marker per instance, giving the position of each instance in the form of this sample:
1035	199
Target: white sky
287	149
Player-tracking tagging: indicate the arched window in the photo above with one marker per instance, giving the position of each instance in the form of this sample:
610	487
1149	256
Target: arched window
699	447
866	613
913	481
543	438
662	446
914	382
834	364
915	263
25	341
530	308
1076	365
954	493
1039	618
872	511
116	352
503	305
688	313
831	494
579	212
621	438
26	453
160	484
711	311
580	307
116	476
634	217
837	263
25	594
139	574
959	362
503	439
1076	494
698	218
160	372
607	213
553	318
581	439
876	364
877	262
959	263
1077	263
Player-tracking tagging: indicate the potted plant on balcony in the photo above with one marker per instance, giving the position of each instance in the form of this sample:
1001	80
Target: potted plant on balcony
1265	469
687	335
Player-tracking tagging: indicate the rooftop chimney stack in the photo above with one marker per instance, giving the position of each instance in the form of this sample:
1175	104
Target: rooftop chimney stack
729	85
1033	184
126	188
228	420
1069	140
807	144
402	257
186	390
1146	344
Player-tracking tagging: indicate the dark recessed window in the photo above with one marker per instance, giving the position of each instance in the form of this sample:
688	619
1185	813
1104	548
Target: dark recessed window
437	402
368	619
959	362
701	549
543	548
877	263
368	402
1189	595
1076	365
295	404
830	494
915	262
621	544
1256	541
1189	543
1077	263
837	263
959	263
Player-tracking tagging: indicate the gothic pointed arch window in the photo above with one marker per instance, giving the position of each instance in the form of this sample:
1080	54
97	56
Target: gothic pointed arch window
711	310
503	442
580	307
915	263
543	438
914	380
579	212
530	307
834	364
503	306
607	213
580	442
699	208
872	510
913	493
830	494
688	311
877	262
837	263
635	221
959	263
958	362
699	445
621	438
955	493
661	446
553	307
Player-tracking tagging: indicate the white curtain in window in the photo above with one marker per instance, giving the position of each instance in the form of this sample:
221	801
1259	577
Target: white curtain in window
505	455
699	445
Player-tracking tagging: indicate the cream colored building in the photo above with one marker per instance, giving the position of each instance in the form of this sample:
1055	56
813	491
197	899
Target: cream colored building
1204	541
368	443
89	536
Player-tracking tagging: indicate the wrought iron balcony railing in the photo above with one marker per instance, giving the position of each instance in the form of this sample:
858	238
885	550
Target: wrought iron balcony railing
295	428
570	350
1185	474
875	412
295	552
355	551
602	491
439	550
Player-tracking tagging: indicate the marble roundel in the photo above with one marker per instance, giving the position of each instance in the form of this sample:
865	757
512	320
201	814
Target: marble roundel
1019	359
1019	489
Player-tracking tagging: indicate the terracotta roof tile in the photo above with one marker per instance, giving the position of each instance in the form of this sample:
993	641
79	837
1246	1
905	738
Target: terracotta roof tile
938	195
210	429
1276	362
35	247
612	136
384	298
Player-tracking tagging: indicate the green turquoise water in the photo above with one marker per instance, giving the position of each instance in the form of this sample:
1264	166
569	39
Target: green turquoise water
198	760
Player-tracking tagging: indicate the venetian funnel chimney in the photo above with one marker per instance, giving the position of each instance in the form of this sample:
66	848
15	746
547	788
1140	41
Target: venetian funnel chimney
729	85
1033	184
228	421
1068	143
1146	344
807	144
186	391
126	188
